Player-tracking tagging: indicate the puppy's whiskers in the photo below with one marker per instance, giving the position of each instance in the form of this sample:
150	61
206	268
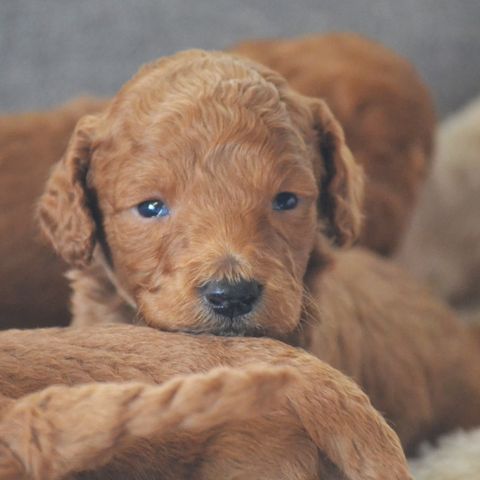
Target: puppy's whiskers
310	313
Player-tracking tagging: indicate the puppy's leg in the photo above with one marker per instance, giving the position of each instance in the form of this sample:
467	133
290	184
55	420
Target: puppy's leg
341	421
62	430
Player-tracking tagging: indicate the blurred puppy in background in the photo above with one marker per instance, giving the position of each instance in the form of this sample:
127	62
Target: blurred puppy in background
442	246
33	289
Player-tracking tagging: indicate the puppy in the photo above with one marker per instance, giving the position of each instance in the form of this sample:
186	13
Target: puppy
204	199
442	246
387	119
33	290
384	108
271	411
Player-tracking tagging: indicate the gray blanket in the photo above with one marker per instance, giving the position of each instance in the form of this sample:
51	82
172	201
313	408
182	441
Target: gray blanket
51	50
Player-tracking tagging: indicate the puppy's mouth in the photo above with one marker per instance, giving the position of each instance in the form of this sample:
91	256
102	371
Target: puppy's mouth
217	326
226	327
236	327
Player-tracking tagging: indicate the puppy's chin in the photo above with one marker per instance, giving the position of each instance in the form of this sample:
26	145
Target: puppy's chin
243	326
235	327
221	327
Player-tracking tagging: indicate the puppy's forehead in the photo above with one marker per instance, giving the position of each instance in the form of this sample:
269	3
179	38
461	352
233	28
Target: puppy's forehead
194	78
195	114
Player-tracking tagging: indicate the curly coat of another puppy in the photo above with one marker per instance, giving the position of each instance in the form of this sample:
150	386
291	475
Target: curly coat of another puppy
271	411
203	200
384	108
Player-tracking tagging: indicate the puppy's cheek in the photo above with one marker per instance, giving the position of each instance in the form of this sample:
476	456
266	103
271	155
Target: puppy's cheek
167	309
279	314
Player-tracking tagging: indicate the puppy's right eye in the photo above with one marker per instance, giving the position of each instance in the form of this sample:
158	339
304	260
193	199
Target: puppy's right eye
153	208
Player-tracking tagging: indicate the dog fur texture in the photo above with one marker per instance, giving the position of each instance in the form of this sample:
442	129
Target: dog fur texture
387	118
442	247
216	138
384	108
253	408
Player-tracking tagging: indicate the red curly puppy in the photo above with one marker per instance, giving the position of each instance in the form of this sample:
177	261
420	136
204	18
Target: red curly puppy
377	96
203	200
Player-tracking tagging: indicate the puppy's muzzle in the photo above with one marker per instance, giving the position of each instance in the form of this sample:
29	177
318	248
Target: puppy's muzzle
231	299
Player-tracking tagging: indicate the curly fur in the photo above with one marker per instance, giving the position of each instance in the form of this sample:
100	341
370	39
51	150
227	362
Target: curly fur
270	411
217	137
282	140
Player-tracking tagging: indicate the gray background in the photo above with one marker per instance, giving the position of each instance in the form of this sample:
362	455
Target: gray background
51	50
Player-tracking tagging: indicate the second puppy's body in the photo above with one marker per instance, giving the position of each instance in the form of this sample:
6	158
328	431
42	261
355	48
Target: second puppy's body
419	364
272	412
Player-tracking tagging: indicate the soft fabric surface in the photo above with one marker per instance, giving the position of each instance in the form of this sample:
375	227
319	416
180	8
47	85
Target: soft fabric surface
52	50
457	457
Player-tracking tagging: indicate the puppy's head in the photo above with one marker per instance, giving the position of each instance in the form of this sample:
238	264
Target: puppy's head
205	183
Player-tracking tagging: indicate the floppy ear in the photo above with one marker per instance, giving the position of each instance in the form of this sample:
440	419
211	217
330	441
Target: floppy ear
63	212
341	178
339	175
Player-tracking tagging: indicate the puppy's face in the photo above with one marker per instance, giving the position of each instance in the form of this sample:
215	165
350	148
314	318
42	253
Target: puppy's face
205	182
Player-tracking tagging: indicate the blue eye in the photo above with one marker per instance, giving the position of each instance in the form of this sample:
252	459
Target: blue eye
285	201
153	208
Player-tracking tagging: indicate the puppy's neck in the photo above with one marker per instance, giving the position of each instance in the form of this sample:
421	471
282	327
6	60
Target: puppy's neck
97	298
321	261
106	263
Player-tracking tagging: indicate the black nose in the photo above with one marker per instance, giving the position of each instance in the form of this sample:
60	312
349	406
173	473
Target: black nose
231	299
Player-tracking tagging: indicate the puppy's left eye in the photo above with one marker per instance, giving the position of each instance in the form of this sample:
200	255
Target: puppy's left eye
153	208
285	201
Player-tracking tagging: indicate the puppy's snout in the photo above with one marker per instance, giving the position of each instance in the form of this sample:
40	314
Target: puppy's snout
231	299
